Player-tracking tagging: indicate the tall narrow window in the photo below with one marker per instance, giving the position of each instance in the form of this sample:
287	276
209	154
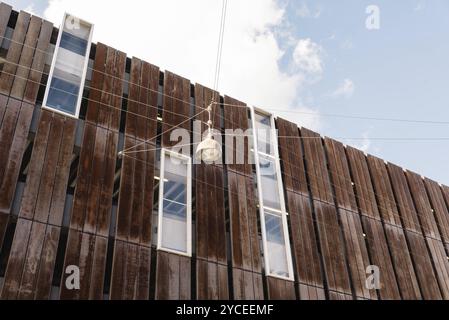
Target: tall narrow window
175	194
68	70
273	215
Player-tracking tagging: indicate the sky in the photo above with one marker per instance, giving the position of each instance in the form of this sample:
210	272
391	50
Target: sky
302	60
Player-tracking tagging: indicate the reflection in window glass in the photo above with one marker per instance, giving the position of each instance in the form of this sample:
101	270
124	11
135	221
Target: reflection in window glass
273	215
66	81
175	221
269	182
263	132
276	244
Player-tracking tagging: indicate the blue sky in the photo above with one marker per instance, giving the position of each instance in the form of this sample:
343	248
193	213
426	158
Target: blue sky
398	71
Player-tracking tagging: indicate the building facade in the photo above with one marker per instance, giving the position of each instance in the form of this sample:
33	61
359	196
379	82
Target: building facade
88	190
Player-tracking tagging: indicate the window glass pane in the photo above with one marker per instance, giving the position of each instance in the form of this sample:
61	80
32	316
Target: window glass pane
174	230
174	209
175	180
63	96
276	245
70	62
73	43
269	183
263	132
66	82
76	27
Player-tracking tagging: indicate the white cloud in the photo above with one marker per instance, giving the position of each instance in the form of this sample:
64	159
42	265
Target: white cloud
364	144
30	9
181	36
420	6
304	11
307	56
346	89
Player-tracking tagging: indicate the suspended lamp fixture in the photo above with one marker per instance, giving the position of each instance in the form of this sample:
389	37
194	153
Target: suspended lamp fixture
209	150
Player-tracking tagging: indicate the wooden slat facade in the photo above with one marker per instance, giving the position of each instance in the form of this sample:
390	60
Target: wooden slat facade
68	198
305	247
211	251
132	249
400	253
356	249
91	214
246	259
171	283
327	221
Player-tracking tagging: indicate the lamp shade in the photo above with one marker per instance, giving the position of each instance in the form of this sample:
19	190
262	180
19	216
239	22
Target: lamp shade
209	150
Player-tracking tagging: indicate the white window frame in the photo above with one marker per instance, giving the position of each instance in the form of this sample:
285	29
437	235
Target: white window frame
160	230
283	212
53	64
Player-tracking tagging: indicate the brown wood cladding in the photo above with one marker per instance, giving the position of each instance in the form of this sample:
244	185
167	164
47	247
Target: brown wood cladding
90	220
400	254
356	250
236	118
211	253
329	233
132	250
176	107
346	210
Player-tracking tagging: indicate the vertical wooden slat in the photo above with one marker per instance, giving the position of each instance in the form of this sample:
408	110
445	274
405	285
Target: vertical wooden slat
92	209
210	216
356	251
14	158
132	251
304	244
400	254
176	111
430	229
26	58
371	222
40	56
417	245
14	52
331	241
5	12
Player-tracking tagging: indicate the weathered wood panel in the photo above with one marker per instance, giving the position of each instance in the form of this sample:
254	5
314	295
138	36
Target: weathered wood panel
356	251
176	107
311	293
88	252
130	272
423	206
132	252
400	254
210	213
279	289
299	206
331	239
238	155
247	285
380	256
5	12
439	208
375	235
46	185
90	220
15	50
423	265
42	203
404	200
417	245
13	140
362	181
170	282
173	281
